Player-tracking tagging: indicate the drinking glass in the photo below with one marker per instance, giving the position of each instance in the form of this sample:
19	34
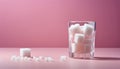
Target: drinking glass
81	36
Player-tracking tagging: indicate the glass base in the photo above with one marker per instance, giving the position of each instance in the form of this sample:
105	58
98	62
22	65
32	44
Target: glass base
82	55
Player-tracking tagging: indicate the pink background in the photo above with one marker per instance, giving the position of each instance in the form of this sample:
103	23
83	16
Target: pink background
44	23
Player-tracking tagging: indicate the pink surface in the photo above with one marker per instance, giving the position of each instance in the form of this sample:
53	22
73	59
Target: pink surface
44	23
105	58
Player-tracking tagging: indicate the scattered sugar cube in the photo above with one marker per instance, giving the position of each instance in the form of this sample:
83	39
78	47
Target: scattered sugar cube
17	58
29	59
13	58
37	59
49	59
25	58
63	58
40	57
25	52
34	58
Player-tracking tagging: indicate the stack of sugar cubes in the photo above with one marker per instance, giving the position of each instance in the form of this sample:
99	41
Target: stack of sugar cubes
81	38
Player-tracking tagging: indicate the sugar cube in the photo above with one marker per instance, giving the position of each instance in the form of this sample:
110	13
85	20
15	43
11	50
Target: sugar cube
78	38
88	29
37	59
13	58
74	29
25	58
25	52
63	58
49	59
29	59
40	57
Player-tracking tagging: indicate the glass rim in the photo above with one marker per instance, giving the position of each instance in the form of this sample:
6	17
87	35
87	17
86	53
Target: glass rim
74	22
81	21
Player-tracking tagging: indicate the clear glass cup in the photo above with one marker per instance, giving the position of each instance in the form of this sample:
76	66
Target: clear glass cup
81	39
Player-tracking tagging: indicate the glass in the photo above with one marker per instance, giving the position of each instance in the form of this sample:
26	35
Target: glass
82	39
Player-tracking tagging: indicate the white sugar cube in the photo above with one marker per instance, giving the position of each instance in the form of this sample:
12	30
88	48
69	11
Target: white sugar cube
88	29
13	58
25	58
63	58
40	57
78	38
34	57
73	46
49	59
74	29
82	28
37	59
17	58
29	59
25	52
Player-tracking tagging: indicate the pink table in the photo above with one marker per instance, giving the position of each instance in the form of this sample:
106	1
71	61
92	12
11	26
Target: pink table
105	58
